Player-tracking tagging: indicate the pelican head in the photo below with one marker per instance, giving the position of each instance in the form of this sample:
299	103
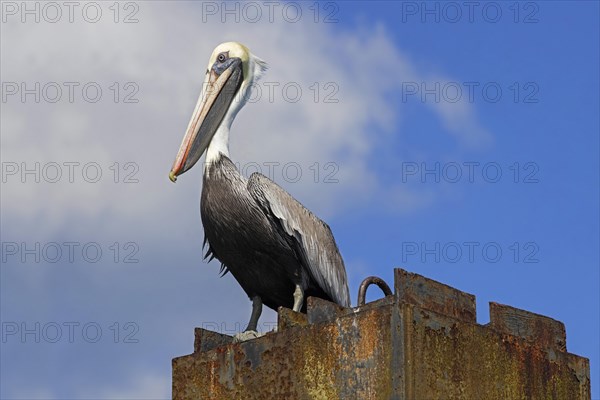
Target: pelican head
229	76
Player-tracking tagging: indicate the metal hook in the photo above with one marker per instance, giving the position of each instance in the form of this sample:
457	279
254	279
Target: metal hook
362	290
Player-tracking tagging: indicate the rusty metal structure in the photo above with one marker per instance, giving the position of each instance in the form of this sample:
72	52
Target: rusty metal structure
421	342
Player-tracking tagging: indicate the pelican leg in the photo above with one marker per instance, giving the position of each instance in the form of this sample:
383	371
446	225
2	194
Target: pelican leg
256	311
298	298
250	332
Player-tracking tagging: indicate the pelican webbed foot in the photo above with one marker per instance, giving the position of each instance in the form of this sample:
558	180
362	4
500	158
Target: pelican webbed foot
246	335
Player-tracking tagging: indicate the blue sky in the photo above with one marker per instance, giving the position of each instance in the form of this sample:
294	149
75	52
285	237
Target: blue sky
401	83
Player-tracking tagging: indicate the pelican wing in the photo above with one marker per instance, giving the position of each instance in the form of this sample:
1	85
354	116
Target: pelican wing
313	237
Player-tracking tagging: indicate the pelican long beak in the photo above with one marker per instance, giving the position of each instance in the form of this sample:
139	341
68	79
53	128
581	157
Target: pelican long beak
213	103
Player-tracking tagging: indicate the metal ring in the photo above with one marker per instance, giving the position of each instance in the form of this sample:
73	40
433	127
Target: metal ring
362	290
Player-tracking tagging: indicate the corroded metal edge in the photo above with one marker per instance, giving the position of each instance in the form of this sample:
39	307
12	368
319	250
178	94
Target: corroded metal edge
415	324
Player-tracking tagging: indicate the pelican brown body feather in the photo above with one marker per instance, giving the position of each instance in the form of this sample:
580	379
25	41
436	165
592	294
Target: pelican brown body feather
266	257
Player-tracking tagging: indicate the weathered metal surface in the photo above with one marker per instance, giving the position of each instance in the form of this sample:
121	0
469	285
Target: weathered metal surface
452	359
344	360
397	347
287	318
207	340
435	296
319	310
539	329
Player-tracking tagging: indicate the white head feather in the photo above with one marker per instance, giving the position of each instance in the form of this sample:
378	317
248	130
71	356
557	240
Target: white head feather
253	69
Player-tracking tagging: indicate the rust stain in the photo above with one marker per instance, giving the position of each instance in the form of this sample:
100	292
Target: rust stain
399	347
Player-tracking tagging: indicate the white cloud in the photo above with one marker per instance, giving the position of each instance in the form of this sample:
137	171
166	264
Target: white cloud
165	55
459	118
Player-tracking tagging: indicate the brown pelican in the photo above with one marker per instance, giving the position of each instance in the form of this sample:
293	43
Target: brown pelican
277	250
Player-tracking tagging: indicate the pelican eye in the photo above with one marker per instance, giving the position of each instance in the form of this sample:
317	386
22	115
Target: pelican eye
221	57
